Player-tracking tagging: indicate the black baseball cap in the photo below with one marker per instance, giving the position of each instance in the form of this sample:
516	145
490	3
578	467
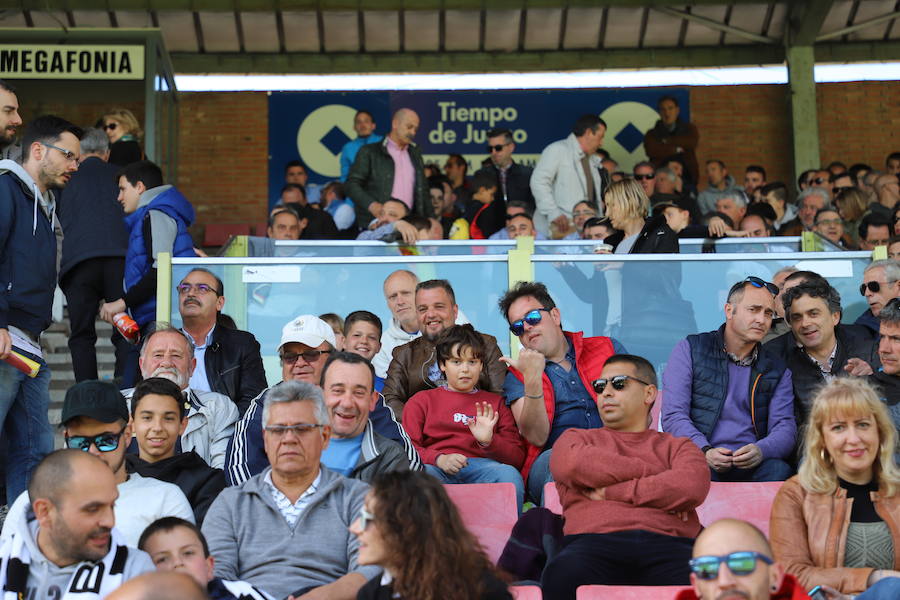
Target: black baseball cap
100	400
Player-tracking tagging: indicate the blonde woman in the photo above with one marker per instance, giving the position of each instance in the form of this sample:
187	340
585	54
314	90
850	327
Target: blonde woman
124	132
837	522
851	204
627	208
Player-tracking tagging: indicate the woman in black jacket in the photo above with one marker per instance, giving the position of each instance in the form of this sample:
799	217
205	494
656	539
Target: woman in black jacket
124	131
410	527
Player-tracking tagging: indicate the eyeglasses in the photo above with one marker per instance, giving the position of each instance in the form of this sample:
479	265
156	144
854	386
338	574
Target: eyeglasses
105	442
70	156
829	222
819	180
643	177
110	126
758	283
300	429
365	517
739	563
584	213
840	189
618	382
872	286
202	288
496	148
532	318
309	356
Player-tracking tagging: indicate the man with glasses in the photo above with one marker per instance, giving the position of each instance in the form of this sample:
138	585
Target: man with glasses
512	178
645	174
95	419
158	217
30	250
307	342
732	397
548	387
287	527
228	360
628	492
880	285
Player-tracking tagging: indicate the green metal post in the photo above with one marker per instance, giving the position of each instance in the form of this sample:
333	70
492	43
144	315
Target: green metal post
164	287
151	131
804	119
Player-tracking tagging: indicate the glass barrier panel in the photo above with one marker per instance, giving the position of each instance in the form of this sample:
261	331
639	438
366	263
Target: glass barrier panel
650	302
262	295
739	245
264	247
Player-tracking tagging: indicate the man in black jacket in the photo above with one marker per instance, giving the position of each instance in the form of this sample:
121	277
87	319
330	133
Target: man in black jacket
159	418
228	360
513	178
93	252
887	377
819	348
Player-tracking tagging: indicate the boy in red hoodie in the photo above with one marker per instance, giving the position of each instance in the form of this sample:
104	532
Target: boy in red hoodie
462	434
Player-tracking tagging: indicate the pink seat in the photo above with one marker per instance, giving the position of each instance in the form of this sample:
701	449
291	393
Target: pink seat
488	510
526	592
551	498
217	234
628	592
748	501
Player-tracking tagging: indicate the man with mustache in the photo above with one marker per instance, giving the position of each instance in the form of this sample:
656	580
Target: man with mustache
228	360
10	120
68	548
733	398
211	416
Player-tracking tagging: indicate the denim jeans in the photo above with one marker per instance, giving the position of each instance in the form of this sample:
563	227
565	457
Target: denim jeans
539	476
24	402
770	469
886	589
483	470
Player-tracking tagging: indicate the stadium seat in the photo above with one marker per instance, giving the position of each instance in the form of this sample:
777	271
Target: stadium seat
525	592
488	510
749	501
218	234
551	498
628	592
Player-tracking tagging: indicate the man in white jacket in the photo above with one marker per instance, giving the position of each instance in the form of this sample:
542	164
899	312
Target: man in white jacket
568	172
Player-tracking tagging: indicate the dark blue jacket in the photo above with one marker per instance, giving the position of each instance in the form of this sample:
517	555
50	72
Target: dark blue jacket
710	382
28	254
869	320
90	215
139	259
246	455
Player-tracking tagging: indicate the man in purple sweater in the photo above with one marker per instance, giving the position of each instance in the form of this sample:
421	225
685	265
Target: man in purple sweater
730	396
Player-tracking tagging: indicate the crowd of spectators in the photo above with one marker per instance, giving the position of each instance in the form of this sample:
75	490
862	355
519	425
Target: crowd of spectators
326	484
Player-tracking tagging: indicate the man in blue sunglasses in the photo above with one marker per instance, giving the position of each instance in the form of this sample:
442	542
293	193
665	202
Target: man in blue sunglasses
731	396
548	387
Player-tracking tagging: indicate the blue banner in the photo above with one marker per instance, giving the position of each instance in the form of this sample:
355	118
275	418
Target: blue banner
314	126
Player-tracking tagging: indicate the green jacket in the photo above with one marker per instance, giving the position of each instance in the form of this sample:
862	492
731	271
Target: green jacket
371	179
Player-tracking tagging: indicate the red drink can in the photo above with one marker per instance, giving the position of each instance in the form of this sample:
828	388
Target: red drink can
127	327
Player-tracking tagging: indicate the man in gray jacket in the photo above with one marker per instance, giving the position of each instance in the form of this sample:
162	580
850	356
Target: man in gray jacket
285	529
356	450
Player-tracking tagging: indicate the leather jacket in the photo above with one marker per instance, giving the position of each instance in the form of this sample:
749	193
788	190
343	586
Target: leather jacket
408	371
808	532
234	366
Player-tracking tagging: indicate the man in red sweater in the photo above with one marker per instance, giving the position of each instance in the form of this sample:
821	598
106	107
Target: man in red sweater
628	493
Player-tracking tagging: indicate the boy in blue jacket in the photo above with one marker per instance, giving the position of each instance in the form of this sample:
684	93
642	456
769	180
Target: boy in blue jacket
30	249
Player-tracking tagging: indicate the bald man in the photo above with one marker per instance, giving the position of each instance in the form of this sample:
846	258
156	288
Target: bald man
391	169
68	546
887	190
160	586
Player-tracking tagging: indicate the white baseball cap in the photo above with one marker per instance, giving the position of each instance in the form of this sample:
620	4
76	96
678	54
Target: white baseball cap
309	330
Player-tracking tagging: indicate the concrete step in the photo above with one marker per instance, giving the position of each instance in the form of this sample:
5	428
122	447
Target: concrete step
64	377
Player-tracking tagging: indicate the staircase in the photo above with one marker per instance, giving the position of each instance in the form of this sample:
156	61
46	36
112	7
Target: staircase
54	342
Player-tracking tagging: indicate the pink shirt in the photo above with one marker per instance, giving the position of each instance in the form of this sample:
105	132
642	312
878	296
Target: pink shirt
404	174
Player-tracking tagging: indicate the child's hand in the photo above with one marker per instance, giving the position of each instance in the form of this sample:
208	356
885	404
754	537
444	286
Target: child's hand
451	463
482	426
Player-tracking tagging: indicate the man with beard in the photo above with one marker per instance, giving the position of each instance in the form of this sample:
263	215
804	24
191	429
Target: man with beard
95	420
211	416
228	360
30	251
68	548
9	121
414	365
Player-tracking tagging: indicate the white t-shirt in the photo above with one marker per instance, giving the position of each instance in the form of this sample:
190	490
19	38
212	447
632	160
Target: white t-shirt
142	500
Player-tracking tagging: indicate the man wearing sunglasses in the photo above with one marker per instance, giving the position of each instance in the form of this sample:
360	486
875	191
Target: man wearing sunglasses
30	250
548	387
95	419
629	493
513	178
732	397
228	360
880	285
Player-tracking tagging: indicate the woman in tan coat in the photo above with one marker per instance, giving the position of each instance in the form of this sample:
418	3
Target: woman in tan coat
837	522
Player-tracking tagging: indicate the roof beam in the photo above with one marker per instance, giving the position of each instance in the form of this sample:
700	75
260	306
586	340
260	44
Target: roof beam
715	25
857	26
805	21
